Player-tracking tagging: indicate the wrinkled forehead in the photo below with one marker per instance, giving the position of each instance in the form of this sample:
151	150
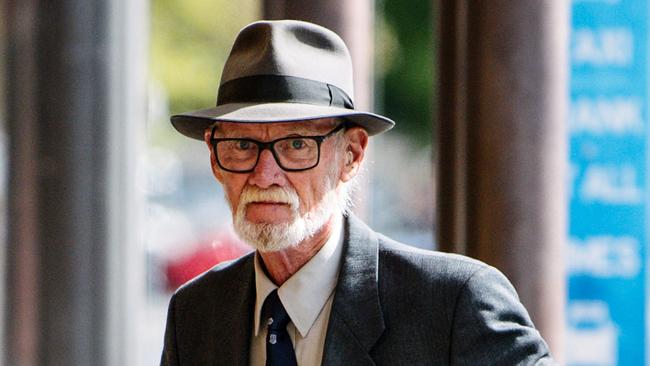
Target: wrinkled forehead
306	128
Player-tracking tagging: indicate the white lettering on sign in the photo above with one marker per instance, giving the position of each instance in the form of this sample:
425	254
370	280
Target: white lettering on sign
603	47
604	256
612	116
592	336
611	184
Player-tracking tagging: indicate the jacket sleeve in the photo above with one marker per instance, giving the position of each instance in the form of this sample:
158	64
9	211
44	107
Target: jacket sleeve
491	327
170	351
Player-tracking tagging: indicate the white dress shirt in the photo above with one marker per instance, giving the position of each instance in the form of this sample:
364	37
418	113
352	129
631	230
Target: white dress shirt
307	297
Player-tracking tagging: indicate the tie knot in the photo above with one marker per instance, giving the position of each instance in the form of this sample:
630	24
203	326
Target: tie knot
274	313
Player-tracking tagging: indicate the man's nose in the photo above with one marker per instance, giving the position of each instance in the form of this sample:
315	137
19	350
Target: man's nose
267	172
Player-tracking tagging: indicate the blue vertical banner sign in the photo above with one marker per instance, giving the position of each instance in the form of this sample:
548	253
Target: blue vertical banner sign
608	227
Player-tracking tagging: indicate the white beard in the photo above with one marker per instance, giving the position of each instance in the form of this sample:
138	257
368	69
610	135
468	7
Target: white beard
267	237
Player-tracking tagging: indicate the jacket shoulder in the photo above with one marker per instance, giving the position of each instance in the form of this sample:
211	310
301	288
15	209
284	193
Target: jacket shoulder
197	331
470	305
434	265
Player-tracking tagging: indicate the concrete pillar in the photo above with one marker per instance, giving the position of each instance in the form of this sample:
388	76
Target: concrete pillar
56	123
21	268
502	154
67	184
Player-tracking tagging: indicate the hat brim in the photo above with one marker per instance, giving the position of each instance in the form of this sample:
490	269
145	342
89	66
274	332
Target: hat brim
193	124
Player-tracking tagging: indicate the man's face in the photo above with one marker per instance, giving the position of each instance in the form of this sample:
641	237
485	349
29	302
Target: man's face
274	209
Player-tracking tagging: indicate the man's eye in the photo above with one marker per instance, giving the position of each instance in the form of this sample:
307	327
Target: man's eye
244	145
297	144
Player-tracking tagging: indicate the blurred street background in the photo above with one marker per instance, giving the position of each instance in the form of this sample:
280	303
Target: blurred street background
521	140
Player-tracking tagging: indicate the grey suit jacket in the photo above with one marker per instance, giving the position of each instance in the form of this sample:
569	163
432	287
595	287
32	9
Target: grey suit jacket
393	305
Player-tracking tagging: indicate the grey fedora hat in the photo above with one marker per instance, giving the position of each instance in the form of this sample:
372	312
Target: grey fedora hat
283	71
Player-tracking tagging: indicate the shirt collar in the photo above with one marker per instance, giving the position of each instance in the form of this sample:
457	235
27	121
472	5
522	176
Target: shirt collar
305	293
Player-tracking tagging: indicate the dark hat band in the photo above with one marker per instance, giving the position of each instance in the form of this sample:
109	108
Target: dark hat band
282	89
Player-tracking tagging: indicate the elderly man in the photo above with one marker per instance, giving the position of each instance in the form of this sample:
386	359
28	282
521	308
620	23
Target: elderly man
322	288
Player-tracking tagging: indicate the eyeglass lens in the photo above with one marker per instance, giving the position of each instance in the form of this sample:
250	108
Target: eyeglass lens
290	153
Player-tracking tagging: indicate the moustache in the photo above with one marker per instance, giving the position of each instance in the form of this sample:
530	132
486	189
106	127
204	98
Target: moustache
274	194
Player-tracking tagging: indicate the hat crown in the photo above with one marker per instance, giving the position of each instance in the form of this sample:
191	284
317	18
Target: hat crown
283	71
290	48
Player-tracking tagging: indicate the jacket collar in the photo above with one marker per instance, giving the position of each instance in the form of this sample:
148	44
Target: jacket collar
356	320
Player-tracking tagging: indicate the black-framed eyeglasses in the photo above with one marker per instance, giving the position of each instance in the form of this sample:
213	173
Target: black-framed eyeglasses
292	153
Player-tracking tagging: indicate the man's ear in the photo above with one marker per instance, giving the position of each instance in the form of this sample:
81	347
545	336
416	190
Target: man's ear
207	134
356	141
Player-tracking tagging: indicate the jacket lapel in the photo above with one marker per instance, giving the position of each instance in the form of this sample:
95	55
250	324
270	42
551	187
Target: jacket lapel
356	320
234	312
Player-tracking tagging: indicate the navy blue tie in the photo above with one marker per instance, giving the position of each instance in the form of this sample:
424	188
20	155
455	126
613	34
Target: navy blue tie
279	349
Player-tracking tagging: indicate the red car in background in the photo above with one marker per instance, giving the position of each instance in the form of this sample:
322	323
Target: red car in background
207	253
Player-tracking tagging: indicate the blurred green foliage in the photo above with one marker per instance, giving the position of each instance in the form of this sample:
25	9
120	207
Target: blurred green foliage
405	52
190	40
